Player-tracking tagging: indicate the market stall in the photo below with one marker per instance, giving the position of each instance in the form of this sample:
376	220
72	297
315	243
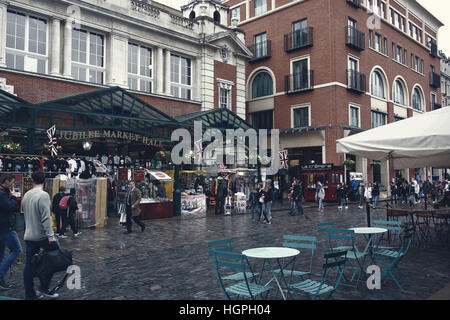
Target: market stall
155	204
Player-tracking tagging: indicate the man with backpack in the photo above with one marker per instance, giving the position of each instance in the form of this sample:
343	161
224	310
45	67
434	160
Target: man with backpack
68	205
60	215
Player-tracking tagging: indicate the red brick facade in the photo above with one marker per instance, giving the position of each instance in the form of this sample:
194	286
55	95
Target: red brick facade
224	71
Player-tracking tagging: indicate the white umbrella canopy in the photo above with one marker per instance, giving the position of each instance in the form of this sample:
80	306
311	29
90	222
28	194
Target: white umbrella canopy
416	142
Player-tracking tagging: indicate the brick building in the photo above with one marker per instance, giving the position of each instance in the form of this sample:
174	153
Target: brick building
179	61
325	69
445	80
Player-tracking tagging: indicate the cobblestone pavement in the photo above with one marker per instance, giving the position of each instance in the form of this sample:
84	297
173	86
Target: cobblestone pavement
169	261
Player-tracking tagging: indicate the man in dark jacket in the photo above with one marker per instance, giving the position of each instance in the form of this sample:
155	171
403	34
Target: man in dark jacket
222	192
297	196
8	235
72	207
59	214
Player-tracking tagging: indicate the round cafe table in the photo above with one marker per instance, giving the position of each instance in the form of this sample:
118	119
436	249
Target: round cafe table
368	233
271	254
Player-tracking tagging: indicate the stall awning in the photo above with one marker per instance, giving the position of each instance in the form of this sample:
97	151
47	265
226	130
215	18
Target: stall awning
9	102
159	175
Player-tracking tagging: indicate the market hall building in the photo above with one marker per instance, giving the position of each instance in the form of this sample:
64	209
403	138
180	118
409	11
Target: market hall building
326	69
181	62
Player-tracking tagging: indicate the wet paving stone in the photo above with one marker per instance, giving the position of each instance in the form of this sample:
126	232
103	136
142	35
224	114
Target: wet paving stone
169	261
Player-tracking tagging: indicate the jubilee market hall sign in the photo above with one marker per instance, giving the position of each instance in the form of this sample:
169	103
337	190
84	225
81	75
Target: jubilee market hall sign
109	134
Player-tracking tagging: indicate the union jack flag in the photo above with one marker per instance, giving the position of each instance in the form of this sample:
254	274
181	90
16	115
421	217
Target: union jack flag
52	140
284	159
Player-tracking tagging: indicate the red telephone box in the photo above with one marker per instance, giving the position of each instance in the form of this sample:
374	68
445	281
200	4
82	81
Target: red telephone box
330	176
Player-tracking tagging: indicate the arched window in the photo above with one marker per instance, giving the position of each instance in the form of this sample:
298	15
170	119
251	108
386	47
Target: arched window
216	17
417	99
192	15
377	85
262	85
399	93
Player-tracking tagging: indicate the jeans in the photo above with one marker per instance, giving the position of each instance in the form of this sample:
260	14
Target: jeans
266	209
58	217
70	220
254	209
32	248
320	203
361	200
11	241
375	200
340	201
296	206
393	198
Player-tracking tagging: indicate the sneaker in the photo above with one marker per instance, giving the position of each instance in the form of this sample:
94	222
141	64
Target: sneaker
62	236
346	207
270	222
4	285
340	208
47	294
77	234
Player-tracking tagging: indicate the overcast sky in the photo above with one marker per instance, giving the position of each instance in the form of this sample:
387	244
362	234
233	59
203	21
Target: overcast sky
439	8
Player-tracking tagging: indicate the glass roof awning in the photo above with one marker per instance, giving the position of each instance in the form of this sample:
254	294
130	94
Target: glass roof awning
220	118
109	108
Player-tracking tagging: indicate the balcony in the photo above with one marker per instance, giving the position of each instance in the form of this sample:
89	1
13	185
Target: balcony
298	39
356	81
355	3
435	80
434	49
299	82
355	38
261	51
435	106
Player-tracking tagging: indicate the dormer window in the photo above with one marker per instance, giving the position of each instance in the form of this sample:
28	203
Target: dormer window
192	15
216	17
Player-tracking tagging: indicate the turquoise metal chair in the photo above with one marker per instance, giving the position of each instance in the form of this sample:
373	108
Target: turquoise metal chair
315	289
299	242
224	261
345	238
389	259
7	298
227	246
394	229
322	231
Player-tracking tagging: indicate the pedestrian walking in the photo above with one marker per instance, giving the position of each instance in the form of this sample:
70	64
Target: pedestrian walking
39	234
368	194
254	202
267	196
355	188
361	192
133	209
340	194
394	192
69	213
375	194
60	215
320	195
297	199
8	235
222	192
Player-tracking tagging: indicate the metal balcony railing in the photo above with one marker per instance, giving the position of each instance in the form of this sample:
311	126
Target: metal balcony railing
261	50
355	38
355	3
299	82
298	39
356	81
435	80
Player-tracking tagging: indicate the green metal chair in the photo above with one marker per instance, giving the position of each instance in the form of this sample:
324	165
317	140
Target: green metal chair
223	261
389	259
299	242
227	246
394	229
315	289
345	238
7	298
322	231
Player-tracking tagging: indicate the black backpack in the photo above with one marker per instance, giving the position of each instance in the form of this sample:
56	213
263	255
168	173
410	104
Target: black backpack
48	262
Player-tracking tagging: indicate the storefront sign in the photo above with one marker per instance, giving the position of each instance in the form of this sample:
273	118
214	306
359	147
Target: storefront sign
109	134
318	167
139	175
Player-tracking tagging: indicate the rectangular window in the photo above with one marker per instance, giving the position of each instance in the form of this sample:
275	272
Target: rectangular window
377	42
433	101
300	33
354	117
262	120
301	117
140	68
224	98
260	7
378	119
399	54
260	45
417	68
26	42
180	77
393	50
236	14
370	38
300	75
88	56
405	57
385	46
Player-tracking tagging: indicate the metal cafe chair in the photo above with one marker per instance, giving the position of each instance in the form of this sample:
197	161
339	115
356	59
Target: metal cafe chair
227	246
394	230
344	238
389	259
299	242
224	261
315	289
322	232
